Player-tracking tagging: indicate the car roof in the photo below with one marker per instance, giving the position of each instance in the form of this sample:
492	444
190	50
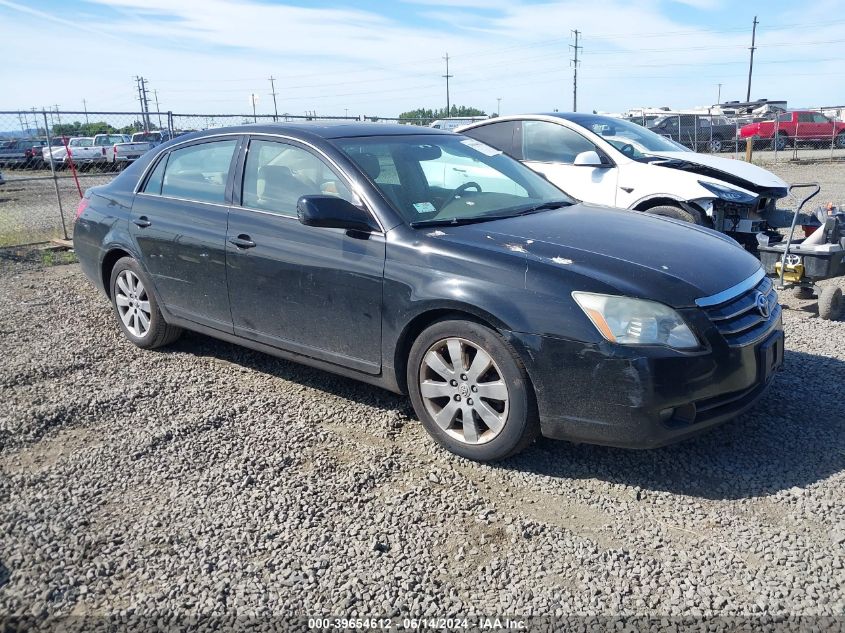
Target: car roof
321	129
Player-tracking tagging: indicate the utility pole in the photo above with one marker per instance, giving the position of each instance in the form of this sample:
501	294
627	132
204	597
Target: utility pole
253	99
85	107
751	62
498	106
273	92
575	48
447	76
146	104
158	110
58	116
140	97
719	95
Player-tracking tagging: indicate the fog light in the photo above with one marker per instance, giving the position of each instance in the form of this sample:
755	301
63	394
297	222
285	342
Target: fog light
666	414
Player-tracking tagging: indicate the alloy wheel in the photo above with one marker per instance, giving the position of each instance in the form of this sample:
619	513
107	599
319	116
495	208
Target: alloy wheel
463	390
133	304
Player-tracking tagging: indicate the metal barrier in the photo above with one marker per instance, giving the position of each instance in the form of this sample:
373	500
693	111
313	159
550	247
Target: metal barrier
41	188
47	158
809	135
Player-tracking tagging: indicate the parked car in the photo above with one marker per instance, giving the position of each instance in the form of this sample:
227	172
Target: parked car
503	313
82	151
13	153
452	123
697	132
617	163
791	128
140	143
34	148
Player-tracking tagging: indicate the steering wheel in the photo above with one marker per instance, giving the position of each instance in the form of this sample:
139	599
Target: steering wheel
628	149
457	192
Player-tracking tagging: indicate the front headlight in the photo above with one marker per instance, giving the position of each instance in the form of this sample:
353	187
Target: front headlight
726	193
630	321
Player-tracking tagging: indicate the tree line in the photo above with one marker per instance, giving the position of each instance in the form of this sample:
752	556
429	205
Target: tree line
424	116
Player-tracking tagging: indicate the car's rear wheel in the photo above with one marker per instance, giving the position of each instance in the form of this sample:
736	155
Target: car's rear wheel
840	140
714	145
677	213
136	307
471	391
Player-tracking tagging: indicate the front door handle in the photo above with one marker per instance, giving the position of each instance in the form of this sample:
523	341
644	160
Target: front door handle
143	222
242	241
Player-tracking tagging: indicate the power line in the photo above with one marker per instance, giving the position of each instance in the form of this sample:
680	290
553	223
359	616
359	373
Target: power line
751	61
575	49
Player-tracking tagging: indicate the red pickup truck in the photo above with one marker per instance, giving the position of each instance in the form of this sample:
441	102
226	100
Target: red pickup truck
797	127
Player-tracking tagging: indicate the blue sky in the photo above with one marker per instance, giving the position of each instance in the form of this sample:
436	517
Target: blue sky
380	58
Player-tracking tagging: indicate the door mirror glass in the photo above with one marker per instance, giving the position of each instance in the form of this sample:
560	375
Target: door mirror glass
588	159
332	212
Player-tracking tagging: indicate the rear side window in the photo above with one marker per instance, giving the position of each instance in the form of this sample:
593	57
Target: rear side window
552	143
153	185
805	117
199	172
498	135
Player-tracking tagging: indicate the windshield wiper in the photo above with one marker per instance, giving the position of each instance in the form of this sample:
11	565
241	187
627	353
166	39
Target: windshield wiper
457	221
556	204
545	206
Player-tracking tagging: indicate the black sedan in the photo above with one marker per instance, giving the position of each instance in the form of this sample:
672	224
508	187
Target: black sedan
432	264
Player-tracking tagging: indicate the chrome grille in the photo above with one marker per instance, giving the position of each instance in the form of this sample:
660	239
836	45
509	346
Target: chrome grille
740	320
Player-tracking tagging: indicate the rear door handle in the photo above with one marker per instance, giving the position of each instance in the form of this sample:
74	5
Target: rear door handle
143	222
242	241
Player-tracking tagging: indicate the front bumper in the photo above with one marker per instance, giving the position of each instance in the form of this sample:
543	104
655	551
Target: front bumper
645	397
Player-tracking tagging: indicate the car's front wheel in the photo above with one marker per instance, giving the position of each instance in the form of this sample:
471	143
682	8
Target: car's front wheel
136	307
471	391
677	213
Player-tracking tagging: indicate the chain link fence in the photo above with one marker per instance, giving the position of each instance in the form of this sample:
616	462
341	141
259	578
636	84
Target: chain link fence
48	159
809	135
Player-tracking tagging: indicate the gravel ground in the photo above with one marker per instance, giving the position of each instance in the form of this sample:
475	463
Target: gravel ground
207	479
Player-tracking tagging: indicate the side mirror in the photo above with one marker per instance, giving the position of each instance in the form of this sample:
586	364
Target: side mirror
588	159
332	212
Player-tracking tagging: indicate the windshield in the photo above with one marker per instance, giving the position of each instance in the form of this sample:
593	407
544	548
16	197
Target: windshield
631	139
450	178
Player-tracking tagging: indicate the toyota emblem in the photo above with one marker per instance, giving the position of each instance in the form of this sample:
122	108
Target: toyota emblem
761	302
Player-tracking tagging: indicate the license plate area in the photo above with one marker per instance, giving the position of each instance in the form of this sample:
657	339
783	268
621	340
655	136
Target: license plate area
770	356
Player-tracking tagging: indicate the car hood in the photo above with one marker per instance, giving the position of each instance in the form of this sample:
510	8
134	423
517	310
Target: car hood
736	172
627	252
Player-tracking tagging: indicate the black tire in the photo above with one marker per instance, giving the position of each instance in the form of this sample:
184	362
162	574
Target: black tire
677	213
715	145
830	303
780	141
158	332
840	140
521	424
803	292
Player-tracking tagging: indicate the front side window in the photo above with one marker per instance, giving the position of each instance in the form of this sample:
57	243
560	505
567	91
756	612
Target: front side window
277	174
820	118
199	172
450	178
805	117
552	143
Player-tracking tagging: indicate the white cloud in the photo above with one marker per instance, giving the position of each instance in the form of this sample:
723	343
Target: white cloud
209	55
